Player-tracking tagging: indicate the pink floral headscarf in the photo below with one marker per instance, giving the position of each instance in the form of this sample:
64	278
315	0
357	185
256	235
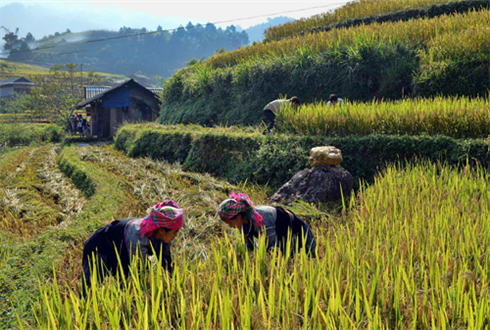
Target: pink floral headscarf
236	204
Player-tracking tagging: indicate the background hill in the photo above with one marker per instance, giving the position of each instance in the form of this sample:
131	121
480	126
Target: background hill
256	32
130	51
72	37
10	70
429	48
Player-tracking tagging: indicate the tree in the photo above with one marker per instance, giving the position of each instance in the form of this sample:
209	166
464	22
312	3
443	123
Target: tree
189	26
17	47
210	27
159	28
57	94
29	38
18	103
231	29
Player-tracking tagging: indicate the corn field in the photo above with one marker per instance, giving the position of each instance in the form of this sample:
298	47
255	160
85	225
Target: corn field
352	10
456	117
444	30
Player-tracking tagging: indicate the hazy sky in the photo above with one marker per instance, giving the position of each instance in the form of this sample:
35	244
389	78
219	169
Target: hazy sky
181	12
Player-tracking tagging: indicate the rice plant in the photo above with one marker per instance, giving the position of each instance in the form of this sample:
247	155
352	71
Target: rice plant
410	251
25	208
413	32
458	117
351	10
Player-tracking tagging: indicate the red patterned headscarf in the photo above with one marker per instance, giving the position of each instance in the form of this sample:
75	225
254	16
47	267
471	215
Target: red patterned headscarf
166	214
236	204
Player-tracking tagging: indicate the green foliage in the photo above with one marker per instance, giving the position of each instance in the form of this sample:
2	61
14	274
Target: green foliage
446	55
69	164
274	159
238	95
16	47
57	94
150	52
18	103
53	133
25	134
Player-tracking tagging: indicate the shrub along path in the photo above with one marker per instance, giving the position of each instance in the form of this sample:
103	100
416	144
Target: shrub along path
244	154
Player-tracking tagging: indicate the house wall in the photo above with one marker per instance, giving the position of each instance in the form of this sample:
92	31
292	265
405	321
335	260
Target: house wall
143	107
113	120
22	89
106	121
6	90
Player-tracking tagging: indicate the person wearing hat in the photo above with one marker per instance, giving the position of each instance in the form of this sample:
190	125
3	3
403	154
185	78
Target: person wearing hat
124	238
273	221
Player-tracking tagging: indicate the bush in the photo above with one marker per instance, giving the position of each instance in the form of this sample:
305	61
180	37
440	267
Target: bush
356	73
53	133
25	134
240	155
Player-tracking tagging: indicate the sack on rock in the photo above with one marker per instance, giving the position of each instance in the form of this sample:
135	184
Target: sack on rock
325	156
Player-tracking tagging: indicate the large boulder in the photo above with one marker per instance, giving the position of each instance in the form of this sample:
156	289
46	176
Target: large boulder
319	184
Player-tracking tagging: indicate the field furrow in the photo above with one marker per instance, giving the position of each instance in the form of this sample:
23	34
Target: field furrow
65	194
27	209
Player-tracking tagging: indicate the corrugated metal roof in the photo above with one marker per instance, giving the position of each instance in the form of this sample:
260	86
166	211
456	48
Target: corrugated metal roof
91	91
110	89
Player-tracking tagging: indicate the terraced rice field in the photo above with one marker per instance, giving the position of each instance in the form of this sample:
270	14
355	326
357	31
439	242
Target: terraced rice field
410	251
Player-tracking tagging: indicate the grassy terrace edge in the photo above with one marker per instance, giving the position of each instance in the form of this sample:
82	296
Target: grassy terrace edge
239	154
305	26
36	259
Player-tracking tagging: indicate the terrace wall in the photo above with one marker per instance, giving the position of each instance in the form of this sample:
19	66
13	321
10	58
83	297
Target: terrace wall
238	155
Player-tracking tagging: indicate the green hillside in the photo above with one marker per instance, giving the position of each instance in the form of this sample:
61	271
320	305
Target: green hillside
9	69
129	50
430	56
367	11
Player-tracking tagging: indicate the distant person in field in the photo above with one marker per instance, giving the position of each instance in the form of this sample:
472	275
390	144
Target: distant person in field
272	109
273	221
130	237
334	100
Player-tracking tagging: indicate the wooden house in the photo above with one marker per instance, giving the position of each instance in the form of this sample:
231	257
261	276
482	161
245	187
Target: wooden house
126	102
8	88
